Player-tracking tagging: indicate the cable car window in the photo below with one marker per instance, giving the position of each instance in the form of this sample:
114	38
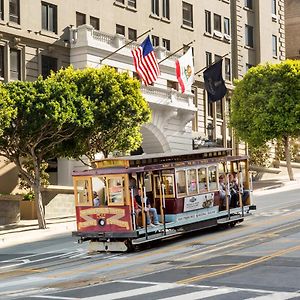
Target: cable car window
115	188
83	192
192	181
181	182
168	181
212	178
202	180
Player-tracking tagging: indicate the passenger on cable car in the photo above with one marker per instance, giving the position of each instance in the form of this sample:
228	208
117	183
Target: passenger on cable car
96	200
148	209
222	191
236	185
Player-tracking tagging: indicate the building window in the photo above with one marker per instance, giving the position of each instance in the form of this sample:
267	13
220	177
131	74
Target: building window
217	58
14	11
1	63
274	7
80	19
49	17
166	9
155	7
207	21
195	102
227	69
172	85
249	4
15	64
274	45
166	44
208	57
219	109
132	34
120	29
248	66
187	14
132	3
155	41
1	9
226	26
217	23
210	107
48	64
249	36
95	22
121	1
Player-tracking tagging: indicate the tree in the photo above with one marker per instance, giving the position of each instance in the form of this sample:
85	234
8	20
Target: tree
69	114
47	113
118	107
266	105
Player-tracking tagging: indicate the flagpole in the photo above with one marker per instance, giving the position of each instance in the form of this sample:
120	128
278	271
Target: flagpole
176	51
109	55
211	64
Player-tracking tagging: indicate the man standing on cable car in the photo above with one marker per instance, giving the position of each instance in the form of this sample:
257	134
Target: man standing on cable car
148	209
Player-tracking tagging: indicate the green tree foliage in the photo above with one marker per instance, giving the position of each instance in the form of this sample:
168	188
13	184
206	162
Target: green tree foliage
266	105
70	113
7	110
118	107
47	113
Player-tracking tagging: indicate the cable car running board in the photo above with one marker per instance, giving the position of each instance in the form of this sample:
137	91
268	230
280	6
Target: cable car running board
226	220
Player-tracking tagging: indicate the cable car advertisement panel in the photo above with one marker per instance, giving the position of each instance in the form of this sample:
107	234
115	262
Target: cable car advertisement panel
103	218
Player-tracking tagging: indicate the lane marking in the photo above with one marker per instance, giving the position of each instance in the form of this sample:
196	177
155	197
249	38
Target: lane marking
239	266
276	296
135	292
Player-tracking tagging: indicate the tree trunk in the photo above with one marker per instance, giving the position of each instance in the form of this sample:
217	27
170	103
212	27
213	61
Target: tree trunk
288	157
38	195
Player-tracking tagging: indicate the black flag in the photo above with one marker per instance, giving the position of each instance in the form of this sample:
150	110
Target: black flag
214	82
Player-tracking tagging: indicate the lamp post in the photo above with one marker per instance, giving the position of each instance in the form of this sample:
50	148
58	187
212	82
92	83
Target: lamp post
210	129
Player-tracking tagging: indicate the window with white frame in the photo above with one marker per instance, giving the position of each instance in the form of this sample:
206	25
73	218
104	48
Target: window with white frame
274	7
217	23
181	182
95	22
166	9
207	21
120	29
249	4
166	44
1	10
227	26
132	34
132	3
249	41
187	14
49	17
155	7
14	11
2	73
155	41
227	69
274	45
15	64
80	19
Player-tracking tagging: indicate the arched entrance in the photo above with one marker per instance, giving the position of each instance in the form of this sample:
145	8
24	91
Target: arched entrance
153	140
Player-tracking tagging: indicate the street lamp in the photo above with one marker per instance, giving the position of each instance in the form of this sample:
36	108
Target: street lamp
210	129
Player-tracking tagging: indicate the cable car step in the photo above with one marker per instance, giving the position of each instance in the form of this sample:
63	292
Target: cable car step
156	236
231	219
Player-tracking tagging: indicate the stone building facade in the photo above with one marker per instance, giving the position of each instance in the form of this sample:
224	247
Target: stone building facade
39	36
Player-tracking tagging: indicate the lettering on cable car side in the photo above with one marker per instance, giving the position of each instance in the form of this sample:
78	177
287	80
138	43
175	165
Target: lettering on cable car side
198	201
192	215
111	218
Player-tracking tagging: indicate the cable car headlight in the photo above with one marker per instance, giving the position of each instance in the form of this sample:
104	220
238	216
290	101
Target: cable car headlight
101	222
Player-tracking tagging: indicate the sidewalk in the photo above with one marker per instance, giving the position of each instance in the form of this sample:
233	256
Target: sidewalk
27	230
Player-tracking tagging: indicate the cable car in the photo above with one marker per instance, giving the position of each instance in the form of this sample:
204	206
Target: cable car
184	188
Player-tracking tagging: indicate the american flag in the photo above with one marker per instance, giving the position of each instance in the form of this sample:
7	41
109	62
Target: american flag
145	62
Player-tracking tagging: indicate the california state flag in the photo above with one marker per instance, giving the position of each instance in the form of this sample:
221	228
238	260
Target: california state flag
185	71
